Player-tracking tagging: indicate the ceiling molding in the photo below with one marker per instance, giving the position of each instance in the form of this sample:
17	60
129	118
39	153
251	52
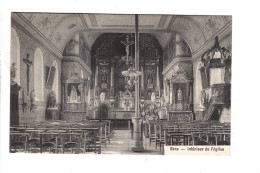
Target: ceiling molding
171	22
35	33
128	26
222	33
162	21
93	20
83	21
128	30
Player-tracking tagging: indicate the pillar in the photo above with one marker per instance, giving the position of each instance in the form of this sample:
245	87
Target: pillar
158	81
96	77
187	97
190	97
66	95
142	77
112	76
137	120
171	92
164	90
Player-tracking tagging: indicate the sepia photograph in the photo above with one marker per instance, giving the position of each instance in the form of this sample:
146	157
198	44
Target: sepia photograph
129	86
119	83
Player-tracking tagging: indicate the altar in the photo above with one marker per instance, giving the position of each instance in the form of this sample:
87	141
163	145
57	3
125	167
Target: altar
121	114
74	101
180	107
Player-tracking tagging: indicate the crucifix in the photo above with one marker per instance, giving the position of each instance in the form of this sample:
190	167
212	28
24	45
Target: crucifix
28	64
127	43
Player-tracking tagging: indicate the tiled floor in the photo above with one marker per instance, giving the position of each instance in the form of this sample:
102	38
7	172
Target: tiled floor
121	143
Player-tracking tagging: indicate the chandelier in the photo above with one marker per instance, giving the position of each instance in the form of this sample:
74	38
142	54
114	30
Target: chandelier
130	75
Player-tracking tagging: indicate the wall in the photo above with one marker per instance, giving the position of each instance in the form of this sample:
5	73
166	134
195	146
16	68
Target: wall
28	45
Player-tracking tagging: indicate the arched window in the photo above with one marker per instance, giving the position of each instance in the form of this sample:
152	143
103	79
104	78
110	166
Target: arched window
15	54
55	86
38	75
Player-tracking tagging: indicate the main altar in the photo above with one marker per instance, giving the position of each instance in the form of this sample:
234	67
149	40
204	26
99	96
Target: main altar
113	94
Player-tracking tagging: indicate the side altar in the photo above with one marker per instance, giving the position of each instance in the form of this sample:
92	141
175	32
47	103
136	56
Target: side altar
180	107
74	102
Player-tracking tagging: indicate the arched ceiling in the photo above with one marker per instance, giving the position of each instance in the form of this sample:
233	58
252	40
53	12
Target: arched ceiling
60	28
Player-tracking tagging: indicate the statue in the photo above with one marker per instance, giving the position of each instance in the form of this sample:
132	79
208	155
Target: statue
73	94
51	102
179	95
102	96
103	79
150	79
162	101
32	96
28	63
127	43
203	98
153	97
91	103
33	107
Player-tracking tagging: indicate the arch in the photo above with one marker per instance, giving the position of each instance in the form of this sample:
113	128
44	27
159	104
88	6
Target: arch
191	31
15	54
55	86
184	39
38	75
61	21
198	83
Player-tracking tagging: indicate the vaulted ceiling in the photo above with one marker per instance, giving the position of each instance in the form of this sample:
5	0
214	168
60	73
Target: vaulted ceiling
57	28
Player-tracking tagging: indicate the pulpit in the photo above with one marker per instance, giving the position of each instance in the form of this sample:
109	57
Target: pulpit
74	102
216	91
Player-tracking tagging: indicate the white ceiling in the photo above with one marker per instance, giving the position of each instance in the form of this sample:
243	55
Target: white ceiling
60	28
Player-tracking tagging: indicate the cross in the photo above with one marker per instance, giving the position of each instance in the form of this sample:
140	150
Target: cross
28	64
127	43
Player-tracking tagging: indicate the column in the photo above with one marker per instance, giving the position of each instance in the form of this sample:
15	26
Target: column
112	76
65	95
171	92
137	120
157	76
168	91
83	95
96	77
190	97
164	90
187	97
142	77
158	90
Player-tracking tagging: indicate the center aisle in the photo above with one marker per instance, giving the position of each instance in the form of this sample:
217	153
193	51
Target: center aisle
121	143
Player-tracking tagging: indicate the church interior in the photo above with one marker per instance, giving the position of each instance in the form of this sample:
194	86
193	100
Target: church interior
119	83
